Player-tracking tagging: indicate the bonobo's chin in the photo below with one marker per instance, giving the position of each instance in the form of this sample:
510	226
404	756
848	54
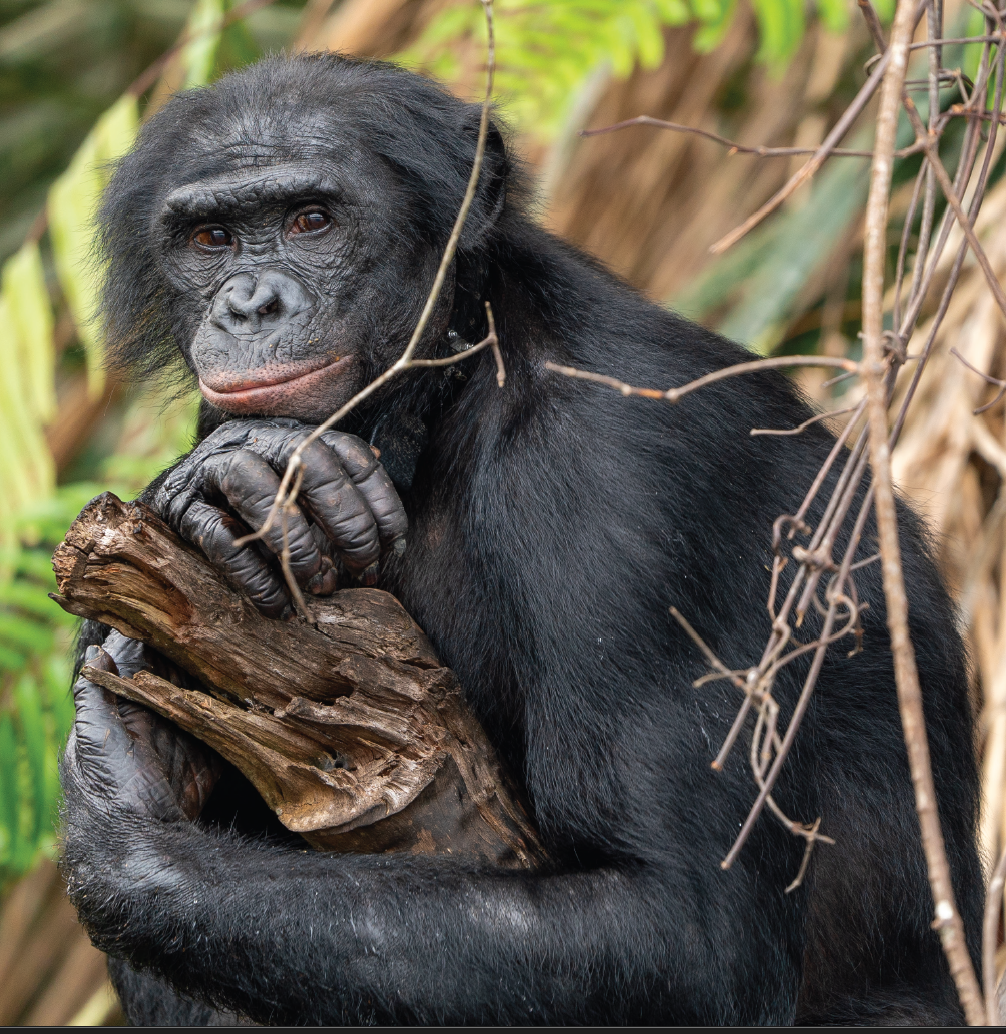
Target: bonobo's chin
305	391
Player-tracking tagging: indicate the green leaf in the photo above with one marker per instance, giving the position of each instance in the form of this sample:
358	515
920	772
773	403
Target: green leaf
649	36
22	633
834	14
11	660
672	12
26	468
714	27
56	674
73	199
199	54
546	51
34	600
33	733
782	25
27	297
10	797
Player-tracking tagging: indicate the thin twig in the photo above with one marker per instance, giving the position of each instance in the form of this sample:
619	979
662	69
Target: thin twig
948	920
990	940
929	142
996	37
284	558
802	427
805	172
733	147
674	395
873	24
713	660
994	381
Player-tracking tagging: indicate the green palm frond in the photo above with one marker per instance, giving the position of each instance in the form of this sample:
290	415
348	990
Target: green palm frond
545	51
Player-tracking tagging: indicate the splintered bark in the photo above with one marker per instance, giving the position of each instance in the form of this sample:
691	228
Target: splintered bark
348	726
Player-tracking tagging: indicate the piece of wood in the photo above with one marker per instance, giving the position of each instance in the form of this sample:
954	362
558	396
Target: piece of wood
348	725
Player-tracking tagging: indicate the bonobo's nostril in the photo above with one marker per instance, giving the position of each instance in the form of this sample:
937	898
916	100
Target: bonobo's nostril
269	308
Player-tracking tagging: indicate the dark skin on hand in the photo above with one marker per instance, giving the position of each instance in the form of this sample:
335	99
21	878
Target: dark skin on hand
278	234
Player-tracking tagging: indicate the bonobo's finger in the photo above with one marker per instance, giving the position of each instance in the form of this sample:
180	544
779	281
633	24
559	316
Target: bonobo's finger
374	484
344	489
327	493
215	533
339	507
124	753
250	485
126	655
185	482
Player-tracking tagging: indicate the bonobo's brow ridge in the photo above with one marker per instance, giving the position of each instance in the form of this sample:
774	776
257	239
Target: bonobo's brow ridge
250	189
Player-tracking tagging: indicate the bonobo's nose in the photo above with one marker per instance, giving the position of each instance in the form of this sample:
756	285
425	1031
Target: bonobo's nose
249	303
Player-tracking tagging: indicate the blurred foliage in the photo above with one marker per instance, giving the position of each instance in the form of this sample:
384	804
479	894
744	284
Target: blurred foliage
545	52
752	292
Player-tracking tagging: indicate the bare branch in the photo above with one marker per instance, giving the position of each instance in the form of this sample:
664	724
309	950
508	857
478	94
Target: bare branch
990	938
948	921
994	381
929	141
802	427
673	395
841	127
734	147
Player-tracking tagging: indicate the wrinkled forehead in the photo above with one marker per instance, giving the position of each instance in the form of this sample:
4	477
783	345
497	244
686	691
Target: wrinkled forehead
256	158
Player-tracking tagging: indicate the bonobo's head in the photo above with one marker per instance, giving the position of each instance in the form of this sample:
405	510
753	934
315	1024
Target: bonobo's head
282	228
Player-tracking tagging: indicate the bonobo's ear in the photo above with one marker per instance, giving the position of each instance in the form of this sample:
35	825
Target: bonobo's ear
492	191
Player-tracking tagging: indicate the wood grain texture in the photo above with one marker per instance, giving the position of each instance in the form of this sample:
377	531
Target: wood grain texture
348	725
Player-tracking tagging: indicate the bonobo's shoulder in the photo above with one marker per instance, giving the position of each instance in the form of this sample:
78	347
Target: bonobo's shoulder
570	309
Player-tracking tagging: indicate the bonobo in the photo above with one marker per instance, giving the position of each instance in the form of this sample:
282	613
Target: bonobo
278	233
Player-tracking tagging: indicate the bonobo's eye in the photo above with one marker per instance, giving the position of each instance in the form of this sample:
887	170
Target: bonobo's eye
212	238
311	220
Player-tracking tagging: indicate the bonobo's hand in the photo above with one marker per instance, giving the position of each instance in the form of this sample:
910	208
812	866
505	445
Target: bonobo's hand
120	755
348	507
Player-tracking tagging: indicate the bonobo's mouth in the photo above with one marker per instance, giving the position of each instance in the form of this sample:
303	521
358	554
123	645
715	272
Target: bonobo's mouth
280	390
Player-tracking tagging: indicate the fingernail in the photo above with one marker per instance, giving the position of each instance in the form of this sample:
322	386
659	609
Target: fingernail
398	546
326	581
369	576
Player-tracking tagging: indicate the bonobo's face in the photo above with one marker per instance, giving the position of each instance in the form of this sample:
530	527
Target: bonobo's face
282	229
276	267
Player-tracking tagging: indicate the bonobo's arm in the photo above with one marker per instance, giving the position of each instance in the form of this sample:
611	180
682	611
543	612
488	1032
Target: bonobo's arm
301	937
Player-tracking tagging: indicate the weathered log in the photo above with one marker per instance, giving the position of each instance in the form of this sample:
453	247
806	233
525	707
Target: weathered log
347	725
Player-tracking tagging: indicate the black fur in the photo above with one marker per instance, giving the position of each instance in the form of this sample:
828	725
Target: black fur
551	526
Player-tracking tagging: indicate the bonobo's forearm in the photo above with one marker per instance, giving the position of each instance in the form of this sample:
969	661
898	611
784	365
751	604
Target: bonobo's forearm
300	937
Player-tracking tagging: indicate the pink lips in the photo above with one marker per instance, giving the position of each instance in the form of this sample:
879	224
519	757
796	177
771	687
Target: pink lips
269	391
